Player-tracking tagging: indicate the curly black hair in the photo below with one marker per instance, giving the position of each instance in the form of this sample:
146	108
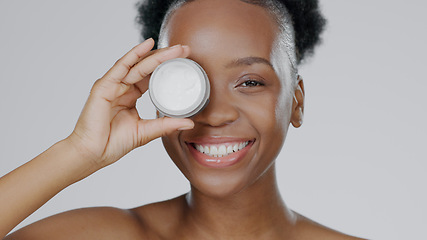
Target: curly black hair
307	20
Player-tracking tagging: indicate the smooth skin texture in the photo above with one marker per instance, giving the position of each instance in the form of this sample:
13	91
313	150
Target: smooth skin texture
108	128
233	42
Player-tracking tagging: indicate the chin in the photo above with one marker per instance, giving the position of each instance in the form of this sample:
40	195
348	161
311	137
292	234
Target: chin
219	185
222	166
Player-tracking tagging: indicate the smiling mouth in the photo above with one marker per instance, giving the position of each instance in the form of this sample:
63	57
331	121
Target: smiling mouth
220	150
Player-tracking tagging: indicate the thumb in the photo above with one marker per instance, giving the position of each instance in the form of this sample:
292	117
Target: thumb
154	128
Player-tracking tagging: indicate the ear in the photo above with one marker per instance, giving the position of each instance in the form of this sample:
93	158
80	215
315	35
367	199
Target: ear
298	104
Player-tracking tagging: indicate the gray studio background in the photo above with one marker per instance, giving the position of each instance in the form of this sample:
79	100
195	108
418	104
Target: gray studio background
358	163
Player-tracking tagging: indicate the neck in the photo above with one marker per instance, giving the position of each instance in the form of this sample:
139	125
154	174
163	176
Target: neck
257	210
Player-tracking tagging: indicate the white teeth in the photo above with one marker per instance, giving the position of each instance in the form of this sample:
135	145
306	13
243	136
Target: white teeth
220	150
199	148
235	148
213	150
229	149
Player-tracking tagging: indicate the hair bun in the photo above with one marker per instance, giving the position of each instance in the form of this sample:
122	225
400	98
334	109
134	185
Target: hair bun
308	25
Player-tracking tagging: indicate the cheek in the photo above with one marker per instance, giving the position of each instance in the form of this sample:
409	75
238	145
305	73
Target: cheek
271	121
271	132
265	113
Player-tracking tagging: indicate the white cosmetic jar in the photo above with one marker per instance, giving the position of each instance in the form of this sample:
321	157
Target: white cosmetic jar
179	88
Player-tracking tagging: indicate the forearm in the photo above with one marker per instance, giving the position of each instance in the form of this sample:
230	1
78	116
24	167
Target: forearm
28	187
108	128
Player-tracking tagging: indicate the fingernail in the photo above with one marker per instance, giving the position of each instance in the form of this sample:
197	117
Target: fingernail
185	128
176	46
148	40
185	47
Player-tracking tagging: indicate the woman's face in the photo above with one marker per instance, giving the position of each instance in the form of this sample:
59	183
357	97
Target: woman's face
233	42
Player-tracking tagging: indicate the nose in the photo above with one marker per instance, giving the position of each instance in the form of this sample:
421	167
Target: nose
221	109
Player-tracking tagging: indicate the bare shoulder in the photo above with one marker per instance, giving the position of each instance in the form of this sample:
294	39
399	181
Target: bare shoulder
86	223
309	229
162	220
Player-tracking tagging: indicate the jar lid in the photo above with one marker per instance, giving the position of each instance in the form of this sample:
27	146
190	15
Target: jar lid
179	88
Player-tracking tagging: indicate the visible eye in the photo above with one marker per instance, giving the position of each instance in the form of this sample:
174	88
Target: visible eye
251	83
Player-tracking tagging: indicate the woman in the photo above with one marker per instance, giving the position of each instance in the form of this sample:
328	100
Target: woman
248	51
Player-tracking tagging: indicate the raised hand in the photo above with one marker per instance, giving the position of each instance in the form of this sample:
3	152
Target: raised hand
108	128
109	125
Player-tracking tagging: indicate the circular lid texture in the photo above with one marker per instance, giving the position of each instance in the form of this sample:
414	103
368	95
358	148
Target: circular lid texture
179	88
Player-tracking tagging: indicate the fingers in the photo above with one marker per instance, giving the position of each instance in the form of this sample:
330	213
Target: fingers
124	64
109	87
130	69
147	65
127	100
185	47
143	84
155	128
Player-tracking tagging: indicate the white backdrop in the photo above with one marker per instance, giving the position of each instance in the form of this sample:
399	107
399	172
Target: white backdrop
357	164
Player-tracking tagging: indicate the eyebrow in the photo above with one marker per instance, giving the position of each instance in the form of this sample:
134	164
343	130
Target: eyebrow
246	61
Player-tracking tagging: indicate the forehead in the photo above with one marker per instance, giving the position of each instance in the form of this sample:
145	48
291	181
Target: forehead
230	28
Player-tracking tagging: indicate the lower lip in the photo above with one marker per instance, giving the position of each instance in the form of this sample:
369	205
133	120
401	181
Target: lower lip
219	162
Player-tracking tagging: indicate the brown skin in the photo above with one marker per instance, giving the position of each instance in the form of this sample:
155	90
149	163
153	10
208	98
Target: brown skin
241	201
218	39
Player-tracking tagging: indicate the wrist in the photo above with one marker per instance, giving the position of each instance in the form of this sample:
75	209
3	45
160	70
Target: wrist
77	159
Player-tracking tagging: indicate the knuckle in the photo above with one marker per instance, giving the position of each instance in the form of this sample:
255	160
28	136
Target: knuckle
162	127
97	82
119	61
157	61
142	73
96	85
143	139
